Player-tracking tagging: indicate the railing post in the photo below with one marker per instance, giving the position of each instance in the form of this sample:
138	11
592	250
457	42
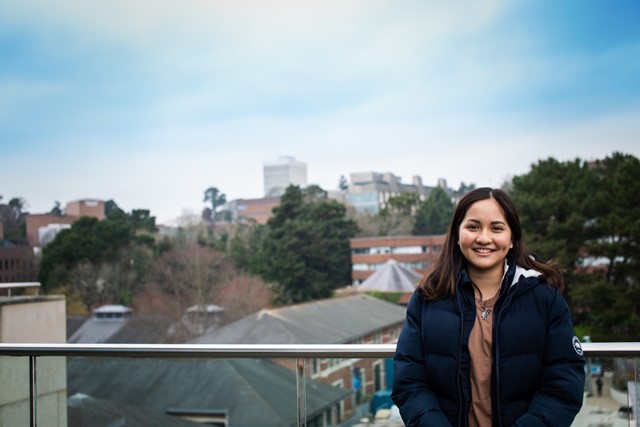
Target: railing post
33	392
301	392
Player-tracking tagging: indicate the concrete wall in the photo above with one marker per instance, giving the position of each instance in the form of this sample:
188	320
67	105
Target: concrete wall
35	319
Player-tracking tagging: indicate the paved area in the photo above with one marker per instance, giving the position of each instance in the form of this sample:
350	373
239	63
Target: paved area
597	411
601	411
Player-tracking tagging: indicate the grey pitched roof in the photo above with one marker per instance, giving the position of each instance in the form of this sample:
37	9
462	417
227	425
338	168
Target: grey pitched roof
254	392
74	323
142	330
84	410
96	331
392	277
134	330
330	321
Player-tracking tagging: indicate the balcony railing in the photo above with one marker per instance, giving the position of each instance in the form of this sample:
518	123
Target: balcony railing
309	365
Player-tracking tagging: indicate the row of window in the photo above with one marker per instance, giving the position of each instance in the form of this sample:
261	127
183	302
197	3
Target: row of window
419	265
396	250
14	264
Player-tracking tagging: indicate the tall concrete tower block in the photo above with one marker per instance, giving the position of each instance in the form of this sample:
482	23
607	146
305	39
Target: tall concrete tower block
279	174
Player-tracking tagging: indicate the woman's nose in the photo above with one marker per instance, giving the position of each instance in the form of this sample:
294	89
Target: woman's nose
483	237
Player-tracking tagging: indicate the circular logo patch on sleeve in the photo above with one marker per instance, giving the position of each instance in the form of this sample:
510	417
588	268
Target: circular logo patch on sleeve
577	346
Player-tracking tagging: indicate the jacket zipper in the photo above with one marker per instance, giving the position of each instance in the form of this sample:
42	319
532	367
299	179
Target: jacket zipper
510	292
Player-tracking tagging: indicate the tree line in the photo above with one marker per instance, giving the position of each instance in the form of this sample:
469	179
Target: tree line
584	213
587	214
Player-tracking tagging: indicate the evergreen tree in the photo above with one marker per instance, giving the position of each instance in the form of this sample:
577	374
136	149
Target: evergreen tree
216	199
397	217
343	184
306	249
588	215
434	214
13	217
101	261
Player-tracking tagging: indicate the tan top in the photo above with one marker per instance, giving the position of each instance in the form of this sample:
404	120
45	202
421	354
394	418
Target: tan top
480	343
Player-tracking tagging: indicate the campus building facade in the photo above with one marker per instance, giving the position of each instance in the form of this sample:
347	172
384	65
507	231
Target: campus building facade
368	254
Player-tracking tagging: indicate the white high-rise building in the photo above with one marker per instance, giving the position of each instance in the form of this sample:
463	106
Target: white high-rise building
285	171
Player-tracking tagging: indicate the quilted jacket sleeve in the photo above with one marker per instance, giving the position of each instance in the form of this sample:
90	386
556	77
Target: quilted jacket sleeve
560	390
418	405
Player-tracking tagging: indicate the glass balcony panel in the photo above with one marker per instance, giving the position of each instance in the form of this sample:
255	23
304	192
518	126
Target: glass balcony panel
609	387
366	397
14	391
181	386
51	391
182	392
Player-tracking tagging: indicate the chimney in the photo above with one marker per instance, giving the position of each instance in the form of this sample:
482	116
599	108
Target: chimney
1	230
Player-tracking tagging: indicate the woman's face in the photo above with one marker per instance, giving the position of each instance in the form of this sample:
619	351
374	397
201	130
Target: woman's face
485	237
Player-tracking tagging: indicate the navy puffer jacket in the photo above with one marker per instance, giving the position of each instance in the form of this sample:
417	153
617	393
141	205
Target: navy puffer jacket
538	366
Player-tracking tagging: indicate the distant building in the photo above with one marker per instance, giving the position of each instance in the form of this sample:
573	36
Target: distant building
259	210
114	323
392	277
353	319
16	261
279	174
369	254
37	221
49	232
86	207
42	228
370	191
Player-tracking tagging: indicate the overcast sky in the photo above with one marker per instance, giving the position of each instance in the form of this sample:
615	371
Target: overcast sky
149	103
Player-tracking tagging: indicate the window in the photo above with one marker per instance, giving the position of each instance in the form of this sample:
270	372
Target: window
407	250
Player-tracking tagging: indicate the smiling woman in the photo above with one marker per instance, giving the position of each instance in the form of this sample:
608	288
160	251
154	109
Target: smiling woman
485	240
488	337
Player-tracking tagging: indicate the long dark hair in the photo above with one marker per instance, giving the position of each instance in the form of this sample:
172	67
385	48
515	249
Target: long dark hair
441	281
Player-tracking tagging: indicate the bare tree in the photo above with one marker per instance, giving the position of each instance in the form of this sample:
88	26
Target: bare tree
243	295
188	275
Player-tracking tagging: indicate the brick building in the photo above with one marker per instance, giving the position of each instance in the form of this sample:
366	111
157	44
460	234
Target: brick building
369	254
16	262
86	207
36	223
353	319
259	210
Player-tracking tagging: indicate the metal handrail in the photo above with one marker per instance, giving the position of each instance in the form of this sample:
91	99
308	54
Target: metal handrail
613	349
16	285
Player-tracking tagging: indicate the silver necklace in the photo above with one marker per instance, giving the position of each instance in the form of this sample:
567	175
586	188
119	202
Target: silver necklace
486	311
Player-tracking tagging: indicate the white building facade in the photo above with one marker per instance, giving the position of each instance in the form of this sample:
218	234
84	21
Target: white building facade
279	174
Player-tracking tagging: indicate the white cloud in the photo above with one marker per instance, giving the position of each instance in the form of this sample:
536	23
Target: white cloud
162	99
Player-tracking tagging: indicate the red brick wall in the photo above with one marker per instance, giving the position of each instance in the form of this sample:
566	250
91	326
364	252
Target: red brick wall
34	222
17	264
258	209
92	208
